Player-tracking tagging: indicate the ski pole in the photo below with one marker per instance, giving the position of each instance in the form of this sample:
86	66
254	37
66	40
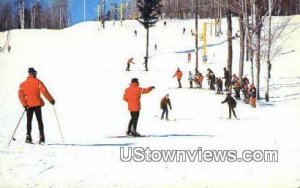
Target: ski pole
12	137
58	124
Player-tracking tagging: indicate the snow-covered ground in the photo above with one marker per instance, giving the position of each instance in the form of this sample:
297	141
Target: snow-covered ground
84	69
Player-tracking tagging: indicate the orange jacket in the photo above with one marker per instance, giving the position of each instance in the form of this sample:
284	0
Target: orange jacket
178	74
132	96
130	61
29	92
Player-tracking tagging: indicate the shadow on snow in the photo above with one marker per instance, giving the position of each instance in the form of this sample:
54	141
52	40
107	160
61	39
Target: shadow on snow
94	145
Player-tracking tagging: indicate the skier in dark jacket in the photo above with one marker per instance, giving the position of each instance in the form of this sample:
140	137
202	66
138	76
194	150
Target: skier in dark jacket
165	101
219	83
231	104
227	79
245	83
211	79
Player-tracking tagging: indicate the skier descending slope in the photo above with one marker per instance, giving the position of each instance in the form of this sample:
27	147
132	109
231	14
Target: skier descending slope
30	98
165	101
231	104
132	96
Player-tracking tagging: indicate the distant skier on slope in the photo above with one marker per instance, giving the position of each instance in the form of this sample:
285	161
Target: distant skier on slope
245	83
211	79
227	79
231	104
191	79
165	101
189	57
198	79
132	96
236	86
178	74
219	84
252	92
129	61
29	95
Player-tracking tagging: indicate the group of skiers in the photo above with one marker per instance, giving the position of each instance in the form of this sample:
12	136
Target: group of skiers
198	78
248	90
31	89
234	83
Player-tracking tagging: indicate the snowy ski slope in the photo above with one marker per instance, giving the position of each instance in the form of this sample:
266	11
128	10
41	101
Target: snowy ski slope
84	66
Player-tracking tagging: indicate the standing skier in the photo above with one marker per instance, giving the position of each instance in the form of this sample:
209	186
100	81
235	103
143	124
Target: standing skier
227	79
199	79
236	86
178	74
189	57
252	92
245	83
165	101
191	79
132	96
219	84
30	98
211	79
231	104
129	61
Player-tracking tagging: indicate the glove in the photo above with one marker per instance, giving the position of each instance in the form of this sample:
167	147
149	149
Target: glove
52	102
152	87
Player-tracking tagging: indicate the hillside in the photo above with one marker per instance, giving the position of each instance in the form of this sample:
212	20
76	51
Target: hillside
84	66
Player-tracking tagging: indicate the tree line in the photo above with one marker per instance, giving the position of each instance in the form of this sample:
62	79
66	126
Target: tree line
183	9
35	14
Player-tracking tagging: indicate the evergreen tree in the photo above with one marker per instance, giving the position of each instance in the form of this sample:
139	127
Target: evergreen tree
149	11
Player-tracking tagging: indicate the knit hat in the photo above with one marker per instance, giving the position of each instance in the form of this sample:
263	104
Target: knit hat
134	80
31	70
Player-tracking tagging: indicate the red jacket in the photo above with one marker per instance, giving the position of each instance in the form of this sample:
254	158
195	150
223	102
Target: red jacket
132	96
30	92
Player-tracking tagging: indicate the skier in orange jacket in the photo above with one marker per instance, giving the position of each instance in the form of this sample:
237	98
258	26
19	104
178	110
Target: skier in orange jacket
30	97
132	96
178	74
130	61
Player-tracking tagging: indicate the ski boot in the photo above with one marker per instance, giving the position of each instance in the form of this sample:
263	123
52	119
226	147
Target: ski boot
28	139
135	134
42	138
128	133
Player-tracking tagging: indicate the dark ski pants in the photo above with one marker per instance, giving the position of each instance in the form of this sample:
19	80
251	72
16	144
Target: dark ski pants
191	83
179	84
219	89
227	85
128	67
165	111
237	93
231	109
38	113
133	121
